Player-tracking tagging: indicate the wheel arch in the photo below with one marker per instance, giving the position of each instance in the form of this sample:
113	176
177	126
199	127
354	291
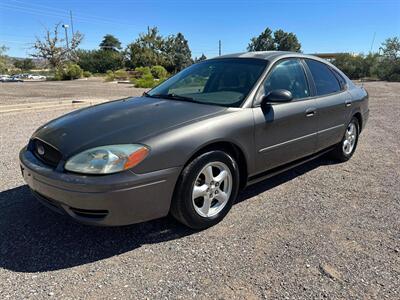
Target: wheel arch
358	116
231	148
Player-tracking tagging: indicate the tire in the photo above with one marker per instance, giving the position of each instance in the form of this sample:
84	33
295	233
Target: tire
345	149
195	186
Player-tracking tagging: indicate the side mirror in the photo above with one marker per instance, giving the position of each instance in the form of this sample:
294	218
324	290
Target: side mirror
277	96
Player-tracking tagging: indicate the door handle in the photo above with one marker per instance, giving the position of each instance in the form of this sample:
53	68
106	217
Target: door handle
347	103
310	112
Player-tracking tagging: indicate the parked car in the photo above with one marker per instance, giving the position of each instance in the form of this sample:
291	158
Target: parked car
4	78
188	146
16	78
8	78
36	77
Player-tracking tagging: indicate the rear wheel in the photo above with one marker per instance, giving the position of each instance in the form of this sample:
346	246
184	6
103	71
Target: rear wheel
345	149
206	190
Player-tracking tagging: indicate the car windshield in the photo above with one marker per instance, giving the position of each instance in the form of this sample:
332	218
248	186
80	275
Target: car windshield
224	82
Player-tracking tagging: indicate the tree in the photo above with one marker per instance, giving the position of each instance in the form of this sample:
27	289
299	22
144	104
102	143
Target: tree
53	49
25	64
388	66
278	40
202	57
100	61
110	42
146	50
178	53
391	48
286	41
3	59
150	49
263	42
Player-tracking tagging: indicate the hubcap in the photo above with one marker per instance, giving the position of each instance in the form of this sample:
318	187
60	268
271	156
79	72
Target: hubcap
349	139
212	189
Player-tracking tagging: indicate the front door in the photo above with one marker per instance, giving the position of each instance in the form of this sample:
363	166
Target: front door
285	132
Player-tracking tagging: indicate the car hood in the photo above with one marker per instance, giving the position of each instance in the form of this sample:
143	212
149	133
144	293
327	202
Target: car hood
119	122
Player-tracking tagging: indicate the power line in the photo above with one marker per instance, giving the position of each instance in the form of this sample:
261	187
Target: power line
55	12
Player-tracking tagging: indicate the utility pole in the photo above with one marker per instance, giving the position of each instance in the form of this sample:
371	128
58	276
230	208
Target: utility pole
72	23
219	47
65	26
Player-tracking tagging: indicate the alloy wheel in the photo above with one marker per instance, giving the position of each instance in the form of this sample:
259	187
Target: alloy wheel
350	138
212	189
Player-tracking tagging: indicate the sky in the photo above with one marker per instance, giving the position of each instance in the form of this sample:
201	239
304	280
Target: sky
321	26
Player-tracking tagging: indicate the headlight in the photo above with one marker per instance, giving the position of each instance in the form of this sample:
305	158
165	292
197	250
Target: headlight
107	159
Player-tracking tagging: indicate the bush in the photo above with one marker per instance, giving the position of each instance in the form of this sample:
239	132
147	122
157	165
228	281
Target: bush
159	72
352	65
87	74
141	71
59	74
69	72
121	75
394	77
146	81
387	69
72	71
110	76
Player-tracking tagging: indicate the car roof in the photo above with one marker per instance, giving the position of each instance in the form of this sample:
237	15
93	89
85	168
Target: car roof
268	55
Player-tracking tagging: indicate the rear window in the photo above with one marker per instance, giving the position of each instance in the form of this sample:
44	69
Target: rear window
325	81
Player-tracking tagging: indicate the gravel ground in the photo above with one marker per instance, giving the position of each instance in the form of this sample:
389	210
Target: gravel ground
85	89
322	230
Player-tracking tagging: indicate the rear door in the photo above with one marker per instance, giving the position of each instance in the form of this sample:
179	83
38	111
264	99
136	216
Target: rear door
331	102
285	132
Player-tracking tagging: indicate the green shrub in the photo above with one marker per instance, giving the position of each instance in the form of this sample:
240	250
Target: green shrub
87	74
143	71
159	72
110	76
121	74
394	77
146	81
58	74
72	71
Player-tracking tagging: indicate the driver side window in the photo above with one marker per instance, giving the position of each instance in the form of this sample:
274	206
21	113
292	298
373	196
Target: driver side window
288	75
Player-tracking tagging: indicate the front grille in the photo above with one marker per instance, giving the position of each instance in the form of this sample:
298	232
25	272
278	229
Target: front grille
46	153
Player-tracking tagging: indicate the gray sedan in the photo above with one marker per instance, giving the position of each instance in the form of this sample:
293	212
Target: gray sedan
188	146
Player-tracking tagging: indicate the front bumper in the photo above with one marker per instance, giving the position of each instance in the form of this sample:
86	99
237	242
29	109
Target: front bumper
110	200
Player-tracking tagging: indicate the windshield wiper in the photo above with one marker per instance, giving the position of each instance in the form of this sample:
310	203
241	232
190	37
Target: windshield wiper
170	96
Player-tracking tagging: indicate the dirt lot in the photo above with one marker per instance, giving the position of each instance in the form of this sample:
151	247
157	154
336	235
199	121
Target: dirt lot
322	230
90	89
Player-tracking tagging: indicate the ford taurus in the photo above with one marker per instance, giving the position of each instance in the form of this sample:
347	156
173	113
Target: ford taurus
188	146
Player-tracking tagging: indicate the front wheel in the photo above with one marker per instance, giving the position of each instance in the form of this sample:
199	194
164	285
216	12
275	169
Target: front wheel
345	149
206	190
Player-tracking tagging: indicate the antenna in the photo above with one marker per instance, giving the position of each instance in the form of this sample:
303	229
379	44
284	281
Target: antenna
372	44
219	47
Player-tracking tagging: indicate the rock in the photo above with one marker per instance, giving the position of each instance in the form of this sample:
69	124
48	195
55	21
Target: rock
329	271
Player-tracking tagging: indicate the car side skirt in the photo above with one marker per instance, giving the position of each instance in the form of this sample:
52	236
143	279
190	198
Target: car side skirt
275	171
